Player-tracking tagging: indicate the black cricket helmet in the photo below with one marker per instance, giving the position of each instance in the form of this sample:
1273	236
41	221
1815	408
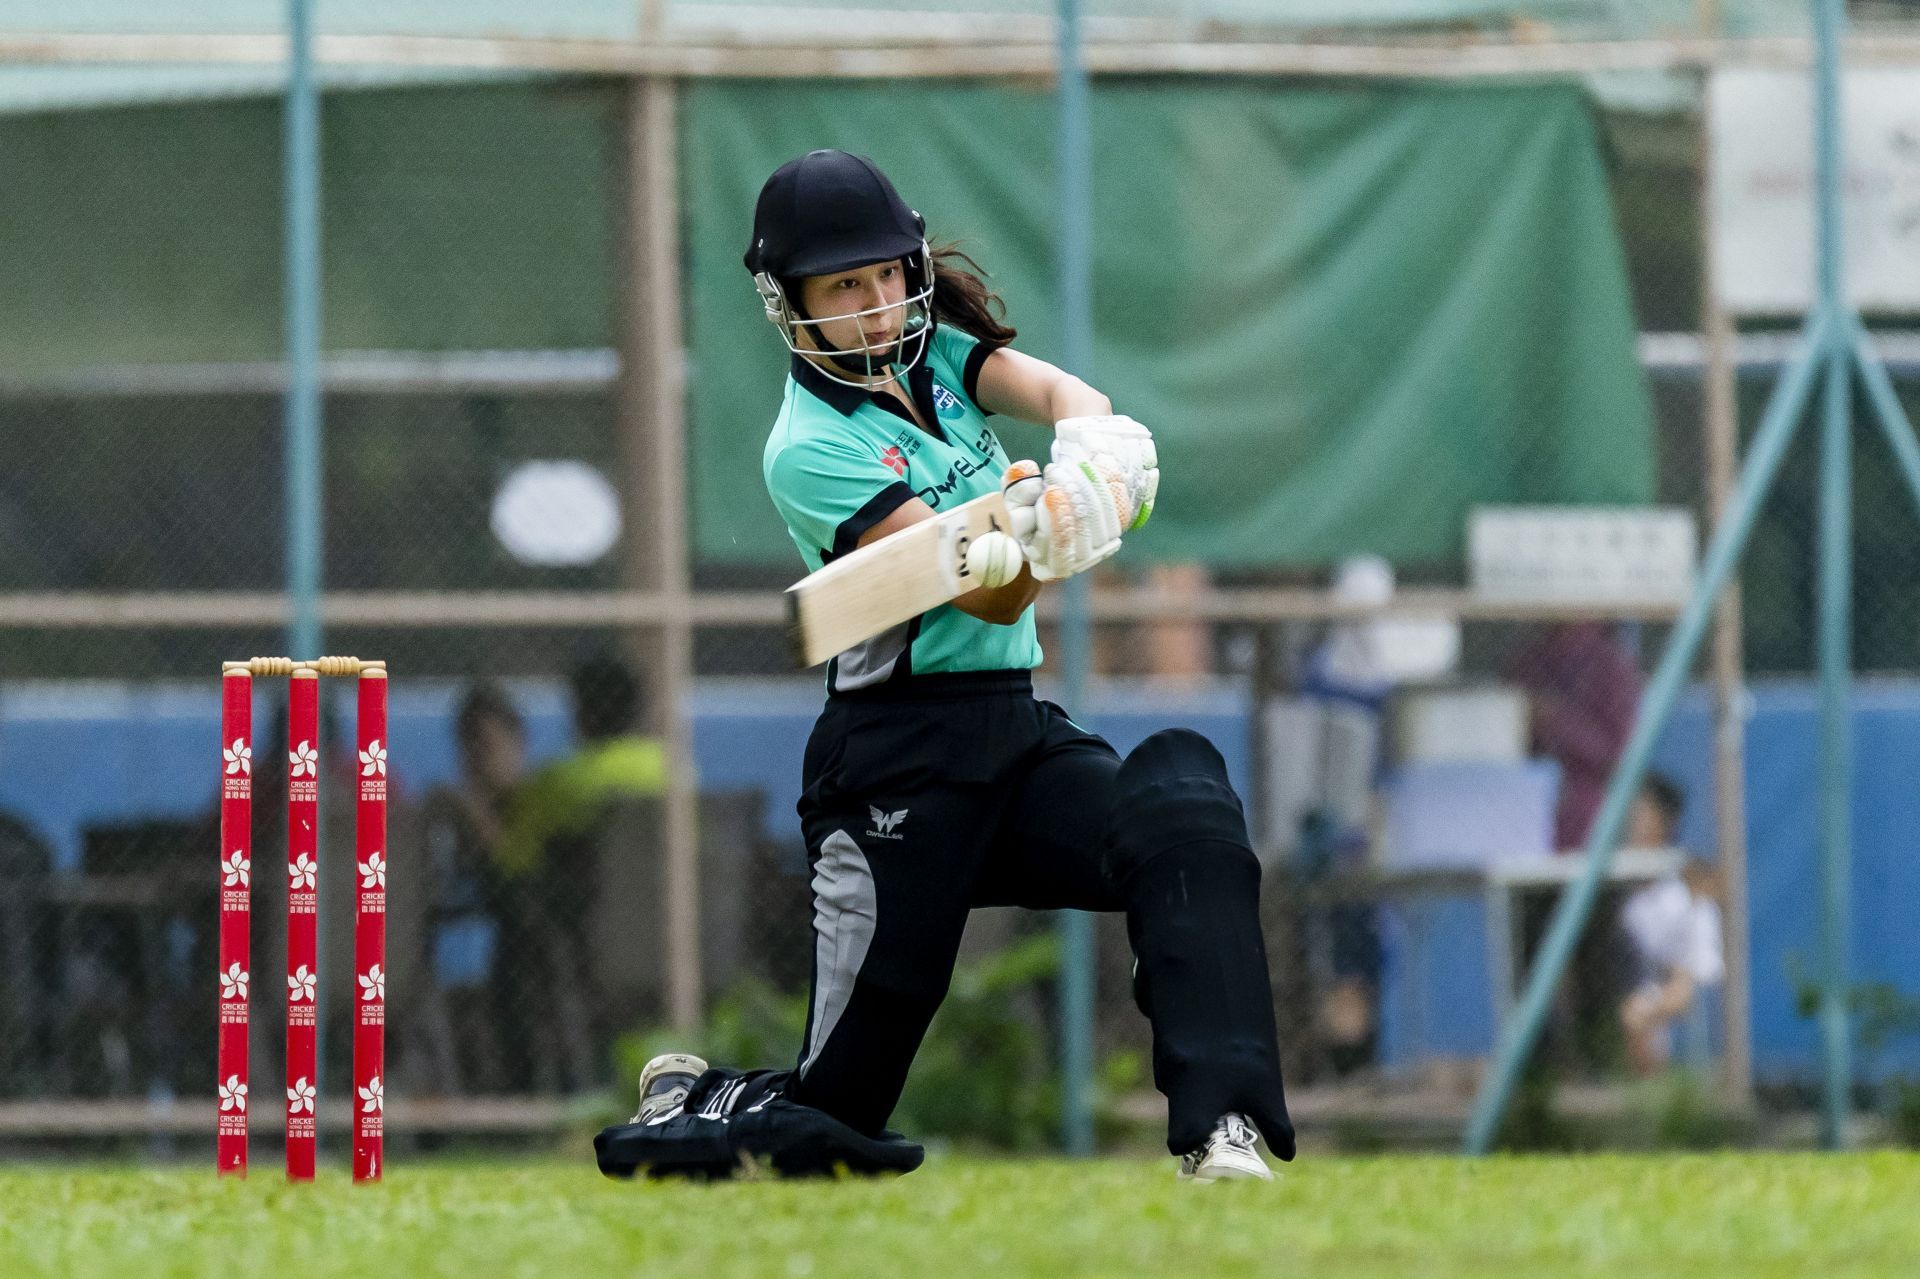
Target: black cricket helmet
830	211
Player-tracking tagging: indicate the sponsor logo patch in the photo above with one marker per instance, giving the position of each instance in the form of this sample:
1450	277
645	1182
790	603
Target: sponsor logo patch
946	403
886	824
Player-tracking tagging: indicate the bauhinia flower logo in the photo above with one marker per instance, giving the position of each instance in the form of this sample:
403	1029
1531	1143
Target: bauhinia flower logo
373	1097
237	869
373	760
300	1097
233	1094
239	757
303	761
373	985
373	871
301	983
233	982
302	872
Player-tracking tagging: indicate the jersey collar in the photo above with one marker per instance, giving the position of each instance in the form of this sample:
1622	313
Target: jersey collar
844	399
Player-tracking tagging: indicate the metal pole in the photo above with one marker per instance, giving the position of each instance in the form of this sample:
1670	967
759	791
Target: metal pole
302	457
650	412
1570	915
1722	431
301	144
1835	579
1076	630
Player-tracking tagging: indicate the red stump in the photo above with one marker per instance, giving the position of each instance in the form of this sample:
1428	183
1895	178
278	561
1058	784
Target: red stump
303	941
236	915
370	931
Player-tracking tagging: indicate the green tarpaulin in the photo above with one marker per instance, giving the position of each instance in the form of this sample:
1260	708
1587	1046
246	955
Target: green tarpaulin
1349	314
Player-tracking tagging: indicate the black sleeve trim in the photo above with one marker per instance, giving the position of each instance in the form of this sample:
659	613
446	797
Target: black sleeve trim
970	375
878	507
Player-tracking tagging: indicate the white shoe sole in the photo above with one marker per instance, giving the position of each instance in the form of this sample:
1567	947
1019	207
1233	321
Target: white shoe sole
1228	1168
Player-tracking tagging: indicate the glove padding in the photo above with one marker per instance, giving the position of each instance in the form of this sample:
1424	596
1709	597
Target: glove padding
1067	518
1121	445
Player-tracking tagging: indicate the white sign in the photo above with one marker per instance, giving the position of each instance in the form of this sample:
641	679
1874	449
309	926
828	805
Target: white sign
1582	555
1761	184
556	514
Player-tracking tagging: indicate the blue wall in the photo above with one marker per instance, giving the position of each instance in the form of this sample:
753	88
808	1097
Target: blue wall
76	755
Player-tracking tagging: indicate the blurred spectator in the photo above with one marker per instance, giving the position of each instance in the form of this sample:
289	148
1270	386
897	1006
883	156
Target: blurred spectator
462	827
1345	669
1357	668
581	858
1585	691
1671	930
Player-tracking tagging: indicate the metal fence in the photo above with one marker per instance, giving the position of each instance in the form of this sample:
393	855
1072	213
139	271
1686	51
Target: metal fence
538	957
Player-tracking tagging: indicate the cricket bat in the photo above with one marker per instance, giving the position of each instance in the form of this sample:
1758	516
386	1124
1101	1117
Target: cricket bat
887	582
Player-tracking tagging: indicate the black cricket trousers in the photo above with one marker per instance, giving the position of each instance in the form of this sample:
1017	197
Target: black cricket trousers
928	796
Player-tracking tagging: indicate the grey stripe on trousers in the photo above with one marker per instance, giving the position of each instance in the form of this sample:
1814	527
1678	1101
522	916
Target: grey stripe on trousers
844	919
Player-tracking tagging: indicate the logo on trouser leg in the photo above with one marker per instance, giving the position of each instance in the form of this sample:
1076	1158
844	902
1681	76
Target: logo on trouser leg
884	824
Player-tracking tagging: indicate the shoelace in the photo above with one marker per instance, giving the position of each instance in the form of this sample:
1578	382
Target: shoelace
1237	1130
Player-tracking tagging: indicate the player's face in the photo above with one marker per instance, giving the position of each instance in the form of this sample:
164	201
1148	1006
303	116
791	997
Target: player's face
864	307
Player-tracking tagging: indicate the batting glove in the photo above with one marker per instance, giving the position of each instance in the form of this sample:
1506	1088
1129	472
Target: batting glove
1066	518
1120	445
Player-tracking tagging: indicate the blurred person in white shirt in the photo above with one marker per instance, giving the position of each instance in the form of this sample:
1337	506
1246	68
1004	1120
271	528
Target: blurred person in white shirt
1672	929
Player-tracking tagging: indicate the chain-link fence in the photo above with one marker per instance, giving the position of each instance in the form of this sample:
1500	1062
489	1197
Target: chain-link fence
1418	760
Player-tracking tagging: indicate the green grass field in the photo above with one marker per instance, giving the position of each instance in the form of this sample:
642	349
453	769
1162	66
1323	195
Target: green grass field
1624	1217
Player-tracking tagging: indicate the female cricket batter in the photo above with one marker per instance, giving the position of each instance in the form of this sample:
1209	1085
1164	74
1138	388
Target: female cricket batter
934	782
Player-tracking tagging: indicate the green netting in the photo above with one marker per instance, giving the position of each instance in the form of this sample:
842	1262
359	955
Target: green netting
1350	314
478	218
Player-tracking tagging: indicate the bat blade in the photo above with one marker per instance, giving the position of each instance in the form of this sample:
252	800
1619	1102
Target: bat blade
887	582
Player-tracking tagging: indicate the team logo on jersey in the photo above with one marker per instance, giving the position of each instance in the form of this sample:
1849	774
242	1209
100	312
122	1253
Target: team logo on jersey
884	824
946	403
895	463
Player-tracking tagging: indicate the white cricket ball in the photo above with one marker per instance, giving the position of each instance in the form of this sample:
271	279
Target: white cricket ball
994	559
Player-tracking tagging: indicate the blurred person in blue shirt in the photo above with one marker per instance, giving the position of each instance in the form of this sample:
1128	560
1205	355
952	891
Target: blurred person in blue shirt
463	825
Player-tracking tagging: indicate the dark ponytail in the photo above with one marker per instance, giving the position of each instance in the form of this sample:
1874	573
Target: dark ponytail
961	296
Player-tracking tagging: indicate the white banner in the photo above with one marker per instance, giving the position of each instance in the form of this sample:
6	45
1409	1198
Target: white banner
1761	184
1588	555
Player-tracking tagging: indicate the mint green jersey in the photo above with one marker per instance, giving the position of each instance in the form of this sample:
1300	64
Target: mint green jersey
841	459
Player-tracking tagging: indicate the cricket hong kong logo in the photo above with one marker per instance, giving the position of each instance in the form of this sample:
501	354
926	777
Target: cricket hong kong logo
301	1096
373	883
373	997
236	777
895	462
303	984
233	994
233	1107
236	881
373	1104
886	825
303	774
303	877
373	771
